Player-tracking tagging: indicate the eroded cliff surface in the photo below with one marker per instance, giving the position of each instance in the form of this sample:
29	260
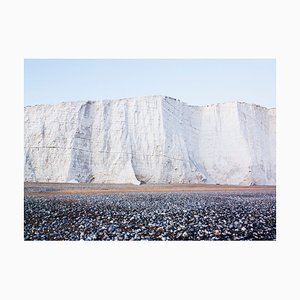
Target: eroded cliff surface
150	140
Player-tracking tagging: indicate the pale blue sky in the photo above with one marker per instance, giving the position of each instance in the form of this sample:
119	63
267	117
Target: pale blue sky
194	81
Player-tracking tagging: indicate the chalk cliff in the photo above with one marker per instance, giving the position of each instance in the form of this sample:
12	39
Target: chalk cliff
150	140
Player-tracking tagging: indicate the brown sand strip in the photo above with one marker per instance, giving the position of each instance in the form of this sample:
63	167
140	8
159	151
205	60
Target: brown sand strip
164	189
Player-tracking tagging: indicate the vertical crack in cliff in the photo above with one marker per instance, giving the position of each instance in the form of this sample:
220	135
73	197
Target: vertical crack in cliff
80	169
129	141
29	166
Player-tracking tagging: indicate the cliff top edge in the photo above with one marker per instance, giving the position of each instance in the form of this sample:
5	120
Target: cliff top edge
154	97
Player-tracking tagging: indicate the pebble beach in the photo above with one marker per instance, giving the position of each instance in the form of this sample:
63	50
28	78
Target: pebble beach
152	216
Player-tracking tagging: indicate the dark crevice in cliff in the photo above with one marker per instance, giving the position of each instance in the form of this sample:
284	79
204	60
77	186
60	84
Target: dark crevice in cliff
80	169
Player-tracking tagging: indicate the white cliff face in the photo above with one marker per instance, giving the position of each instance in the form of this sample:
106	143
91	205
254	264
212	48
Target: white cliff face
150	140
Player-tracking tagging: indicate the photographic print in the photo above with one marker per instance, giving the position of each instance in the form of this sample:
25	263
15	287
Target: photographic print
150	149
